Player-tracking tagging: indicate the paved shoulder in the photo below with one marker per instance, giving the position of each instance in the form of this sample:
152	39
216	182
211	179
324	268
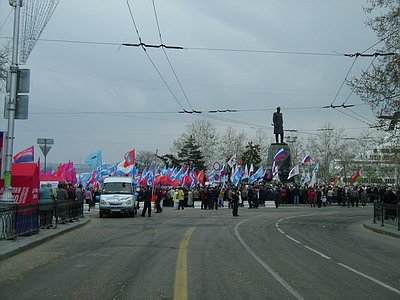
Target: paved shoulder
9	248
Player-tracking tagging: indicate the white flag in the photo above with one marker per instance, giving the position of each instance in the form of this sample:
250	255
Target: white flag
295	171
308	178
232	161
251	168
275	173
303	177
125	170
313	179
246	173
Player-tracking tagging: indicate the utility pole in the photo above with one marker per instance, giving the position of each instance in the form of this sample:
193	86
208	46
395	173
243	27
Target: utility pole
11	108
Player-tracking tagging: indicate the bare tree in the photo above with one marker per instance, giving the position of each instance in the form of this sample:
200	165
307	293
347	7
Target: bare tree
297	151
379	86
205	135
144	159
5	59
232	142
328	147
263	139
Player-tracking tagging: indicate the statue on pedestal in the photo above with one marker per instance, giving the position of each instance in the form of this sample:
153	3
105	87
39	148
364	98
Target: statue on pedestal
277	120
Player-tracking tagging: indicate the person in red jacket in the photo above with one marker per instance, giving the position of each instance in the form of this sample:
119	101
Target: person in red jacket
311	197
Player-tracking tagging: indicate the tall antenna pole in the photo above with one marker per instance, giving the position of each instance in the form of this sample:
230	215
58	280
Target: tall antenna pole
7	195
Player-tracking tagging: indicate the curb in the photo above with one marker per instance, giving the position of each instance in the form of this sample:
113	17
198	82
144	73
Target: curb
382	231
33	244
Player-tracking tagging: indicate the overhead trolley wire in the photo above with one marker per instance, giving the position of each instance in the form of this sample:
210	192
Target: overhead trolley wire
361	77
166	56
148	56
352	116
344	81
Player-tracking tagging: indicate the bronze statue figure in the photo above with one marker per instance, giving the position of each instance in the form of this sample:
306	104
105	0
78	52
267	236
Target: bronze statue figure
278	124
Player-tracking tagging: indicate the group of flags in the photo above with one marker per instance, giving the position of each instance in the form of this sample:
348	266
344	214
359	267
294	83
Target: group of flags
148	177
175	176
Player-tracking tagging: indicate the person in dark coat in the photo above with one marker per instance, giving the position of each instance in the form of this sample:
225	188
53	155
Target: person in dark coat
235	202
389	197
159	195
147	202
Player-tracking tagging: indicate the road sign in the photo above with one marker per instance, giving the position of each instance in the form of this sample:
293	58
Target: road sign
21	107
43	141
23	82
45	149
216	166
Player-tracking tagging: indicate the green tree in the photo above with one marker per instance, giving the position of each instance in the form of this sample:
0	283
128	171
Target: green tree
170	160
191	155
251	155
379	86
206	137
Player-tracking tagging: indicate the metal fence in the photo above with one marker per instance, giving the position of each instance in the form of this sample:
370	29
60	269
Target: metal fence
17	220
387	214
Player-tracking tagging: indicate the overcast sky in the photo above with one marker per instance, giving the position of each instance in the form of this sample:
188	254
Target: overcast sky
108	97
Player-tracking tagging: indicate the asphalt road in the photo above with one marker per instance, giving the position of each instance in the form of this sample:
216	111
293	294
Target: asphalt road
285	253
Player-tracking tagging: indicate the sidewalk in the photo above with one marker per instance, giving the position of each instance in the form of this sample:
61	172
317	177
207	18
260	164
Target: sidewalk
9	248
388	229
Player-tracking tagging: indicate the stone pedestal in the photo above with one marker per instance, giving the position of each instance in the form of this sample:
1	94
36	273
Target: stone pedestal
283	164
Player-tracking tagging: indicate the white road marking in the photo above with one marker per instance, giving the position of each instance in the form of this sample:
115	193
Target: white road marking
281	231
370	278
319	253
294	240
264	265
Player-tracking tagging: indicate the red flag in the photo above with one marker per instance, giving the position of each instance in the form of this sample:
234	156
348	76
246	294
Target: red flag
25	156
355	177
200	178
129	158
59	170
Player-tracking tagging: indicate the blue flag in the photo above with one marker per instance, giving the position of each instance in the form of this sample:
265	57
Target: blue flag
94	159
257	175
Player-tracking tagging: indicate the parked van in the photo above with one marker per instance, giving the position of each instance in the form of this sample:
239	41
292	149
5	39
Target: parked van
117	196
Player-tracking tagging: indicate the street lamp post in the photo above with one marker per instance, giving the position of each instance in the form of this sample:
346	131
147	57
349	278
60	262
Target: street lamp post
11	108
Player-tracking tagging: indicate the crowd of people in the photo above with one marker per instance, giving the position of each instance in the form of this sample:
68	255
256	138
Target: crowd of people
69	198
214	197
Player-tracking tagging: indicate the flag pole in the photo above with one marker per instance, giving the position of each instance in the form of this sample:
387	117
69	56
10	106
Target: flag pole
154	171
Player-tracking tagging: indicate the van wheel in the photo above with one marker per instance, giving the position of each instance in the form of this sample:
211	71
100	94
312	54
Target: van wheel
132	214
101	215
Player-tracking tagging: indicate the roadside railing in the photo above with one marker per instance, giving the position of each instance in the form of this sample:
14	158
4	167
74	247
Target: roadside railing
17	220
387	214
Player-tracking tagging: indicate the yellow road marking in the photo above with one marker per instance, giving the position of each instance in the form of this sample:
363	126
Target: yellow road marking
180	288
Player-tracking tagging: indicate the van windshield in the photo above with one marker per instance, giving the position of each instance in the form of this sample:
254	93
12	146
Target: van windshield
117	188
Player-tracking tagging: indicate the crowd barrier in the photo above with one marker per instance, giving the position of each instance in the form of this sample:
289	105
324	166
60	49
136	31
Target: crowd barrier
387	214
17	220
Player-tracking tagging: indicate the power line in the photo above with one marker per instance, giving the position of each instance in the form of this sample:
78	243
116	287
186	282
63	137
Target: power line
148	56
262	51
359	115
360	78
5	21
166	56
351	116
376	54
344	80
